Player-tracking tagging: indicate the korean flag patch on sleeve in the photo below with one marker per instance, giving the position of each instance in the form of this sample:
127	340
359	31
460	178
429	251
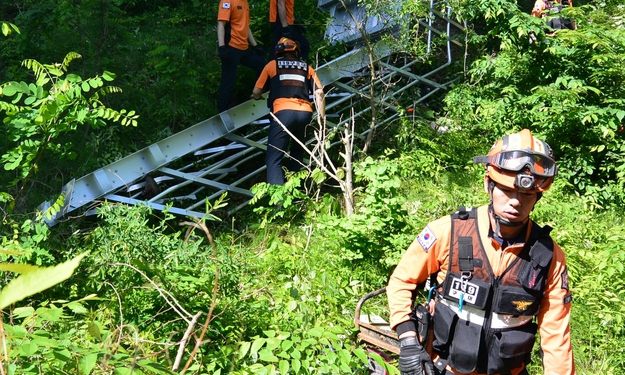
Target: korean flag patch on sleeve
225	5
426	238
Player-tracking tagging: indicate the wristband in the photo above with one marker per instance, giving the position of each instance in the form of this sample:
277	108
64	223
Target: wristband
408	341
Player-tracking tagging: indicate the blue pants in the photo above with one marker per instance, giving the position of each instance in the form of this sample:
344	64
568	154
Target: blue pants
278	142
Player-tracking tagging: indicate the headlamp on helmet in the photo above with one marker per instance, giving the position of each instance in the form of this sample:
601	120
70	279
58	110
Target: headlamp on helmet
286	45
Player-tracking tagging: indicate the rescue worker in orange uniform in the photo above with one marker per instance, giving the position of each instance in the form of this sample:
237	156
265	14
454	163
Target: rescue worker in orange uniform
498	278
550	9
290	81
282	22
234	39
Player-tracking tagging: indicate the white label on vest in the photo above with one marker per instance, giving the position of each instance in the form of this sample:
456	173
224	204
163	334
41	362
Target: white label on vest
470	290
292	64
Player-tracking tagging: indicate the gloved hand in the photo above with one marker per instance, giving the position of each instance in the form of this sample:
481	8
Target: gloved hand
413	359
223	50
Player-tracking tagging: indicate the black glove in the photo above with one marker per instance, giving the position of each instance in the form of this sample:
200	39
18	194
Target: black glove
413	359
223	50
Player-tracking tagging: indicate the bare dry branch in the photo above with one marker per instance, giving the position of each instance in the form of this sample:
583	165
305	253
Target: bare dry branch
184	340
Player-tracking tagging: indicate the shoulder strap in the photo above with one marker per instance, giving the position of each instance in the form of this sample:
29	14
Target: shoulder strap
463	214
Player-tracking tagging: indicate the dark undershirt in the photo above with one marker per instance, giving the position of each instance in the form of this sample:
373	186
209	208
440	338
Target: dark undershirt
504	243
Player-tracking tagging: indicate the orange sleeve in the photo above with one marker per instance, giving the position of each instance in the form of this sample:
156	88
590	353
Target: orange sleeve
273	10
224	10
261	82
553	319
423	258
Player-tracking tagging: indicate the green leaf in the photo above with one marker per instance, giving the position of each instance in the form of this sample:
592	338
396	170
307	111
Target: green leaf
267	356
284	367
9	90
296	364
296	354
258	343
22	312
316	331
50	314
87	363
245	347
273	343
45	341
154	367
286	345
15	332
55	71
108	76
361	355
6	29
292	305
34	282
77	307
28	348
85	86
94	330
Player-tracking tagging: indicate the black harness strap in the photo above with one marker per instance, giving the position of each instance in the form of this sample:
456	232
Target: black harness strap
465	244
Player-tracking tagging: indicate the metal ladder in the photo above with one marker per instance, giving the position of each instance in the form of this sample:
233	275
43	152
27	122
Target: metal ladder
225	153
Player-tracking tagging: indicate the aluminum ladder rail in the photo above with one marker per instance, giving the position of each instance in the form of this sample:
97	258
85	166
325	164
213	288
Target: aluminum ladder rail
225	153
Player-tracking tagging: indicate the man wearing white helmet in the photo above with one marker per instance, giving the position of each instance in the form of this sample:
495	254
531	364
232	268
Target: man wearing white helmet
498	277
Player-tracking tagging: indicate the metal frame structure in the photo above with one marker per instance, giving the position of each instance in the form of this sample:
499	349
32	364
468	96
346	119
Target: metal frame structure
225	153
378	334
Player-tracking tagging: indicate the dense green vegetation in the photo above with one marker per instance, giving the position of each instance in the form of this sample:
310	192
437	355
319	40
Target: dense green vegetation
273	289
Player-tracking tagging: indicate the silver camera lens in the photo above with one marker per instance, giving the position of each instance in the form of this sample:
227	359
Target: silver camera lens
525	181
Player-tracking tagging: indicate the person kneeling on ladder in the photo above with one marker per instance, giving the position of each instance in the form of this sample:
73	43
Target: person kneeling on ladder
290	81
497	277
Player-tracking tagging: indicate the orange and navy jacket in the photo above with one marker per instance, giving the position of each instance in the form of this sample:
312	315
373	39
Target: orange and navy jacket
236	13
428	255
273	78
290	11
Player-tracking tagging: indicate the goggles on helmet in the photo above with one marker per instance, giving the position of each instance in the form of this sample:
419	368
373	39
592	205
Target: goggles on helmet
515	161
